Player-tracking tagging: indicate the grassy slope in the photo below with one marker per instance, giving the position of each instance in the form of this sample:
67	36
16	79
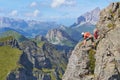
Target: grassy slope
14	34
6	38
8	59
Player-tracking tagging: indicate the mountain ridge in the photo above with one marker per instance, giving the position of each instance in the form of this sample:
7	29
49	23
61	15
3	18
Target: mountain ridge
59	36
90	18
102	63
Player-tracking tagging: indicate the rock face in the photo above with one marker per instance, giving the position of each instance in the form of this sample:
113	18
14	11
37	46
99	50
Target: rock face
58	36
40	38
39	63
11	42
107	57
89	18
78	66
108	50
71	32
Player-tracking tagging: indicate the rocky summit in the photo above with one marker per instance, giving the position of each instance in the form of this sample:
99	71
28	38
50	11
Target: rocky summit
104	62
88	18
59	36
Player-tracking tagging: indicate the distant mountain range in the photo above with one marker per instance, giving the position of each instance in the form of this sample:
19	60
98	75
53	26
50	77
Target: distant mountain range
88	18
29	28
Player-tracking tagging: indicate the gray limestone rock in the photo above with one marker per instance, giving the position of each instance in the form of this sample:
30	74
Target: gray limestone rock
107	64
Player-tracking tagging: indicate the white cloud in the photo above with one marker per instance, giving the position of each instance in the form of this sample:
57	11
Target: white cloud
57	3
33	4
14	13
35	13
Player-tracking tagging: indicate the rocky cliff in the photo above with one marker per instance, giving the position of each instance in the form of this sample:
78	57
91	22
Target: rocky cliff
108	50
88	18
9	41
39	63
104	62
60	37
79	67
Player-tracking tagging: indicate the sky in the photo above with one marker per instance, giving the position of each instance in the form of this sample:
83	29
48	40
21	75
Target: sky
61	11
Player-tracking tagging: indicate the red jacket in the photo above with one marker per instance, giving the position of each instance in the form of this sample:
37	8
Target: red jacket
96	34
87	35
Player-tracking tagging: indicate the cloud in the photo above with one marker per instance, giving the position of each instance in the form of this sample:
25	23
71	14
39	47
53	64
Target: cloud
58	3
35	13
33	4
70	3
14	13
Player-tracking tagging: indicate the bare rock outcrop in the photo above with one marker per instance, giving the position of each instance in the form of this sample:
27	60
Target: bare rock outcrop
78	67
107	65
107	54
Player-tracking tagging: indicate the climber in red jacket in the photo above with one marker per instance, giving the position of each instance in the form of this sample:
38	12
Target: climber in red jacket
87	36
95	32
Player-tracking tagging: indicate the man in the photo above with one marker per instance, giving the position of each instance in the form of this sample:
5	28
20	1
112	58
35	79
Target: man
87	36
95	32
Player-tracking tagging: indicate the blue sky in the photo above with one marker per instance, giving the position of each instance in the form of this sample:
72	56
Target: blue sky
62	11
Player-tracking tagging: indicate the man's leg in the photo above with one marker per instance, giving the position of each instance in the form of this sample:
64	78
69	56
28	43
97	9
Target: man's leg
84	43
92	40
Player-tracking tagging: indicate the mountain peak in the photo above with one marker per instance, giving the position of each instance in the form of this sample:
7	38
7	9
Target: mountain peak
97	8
59	37
88	18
